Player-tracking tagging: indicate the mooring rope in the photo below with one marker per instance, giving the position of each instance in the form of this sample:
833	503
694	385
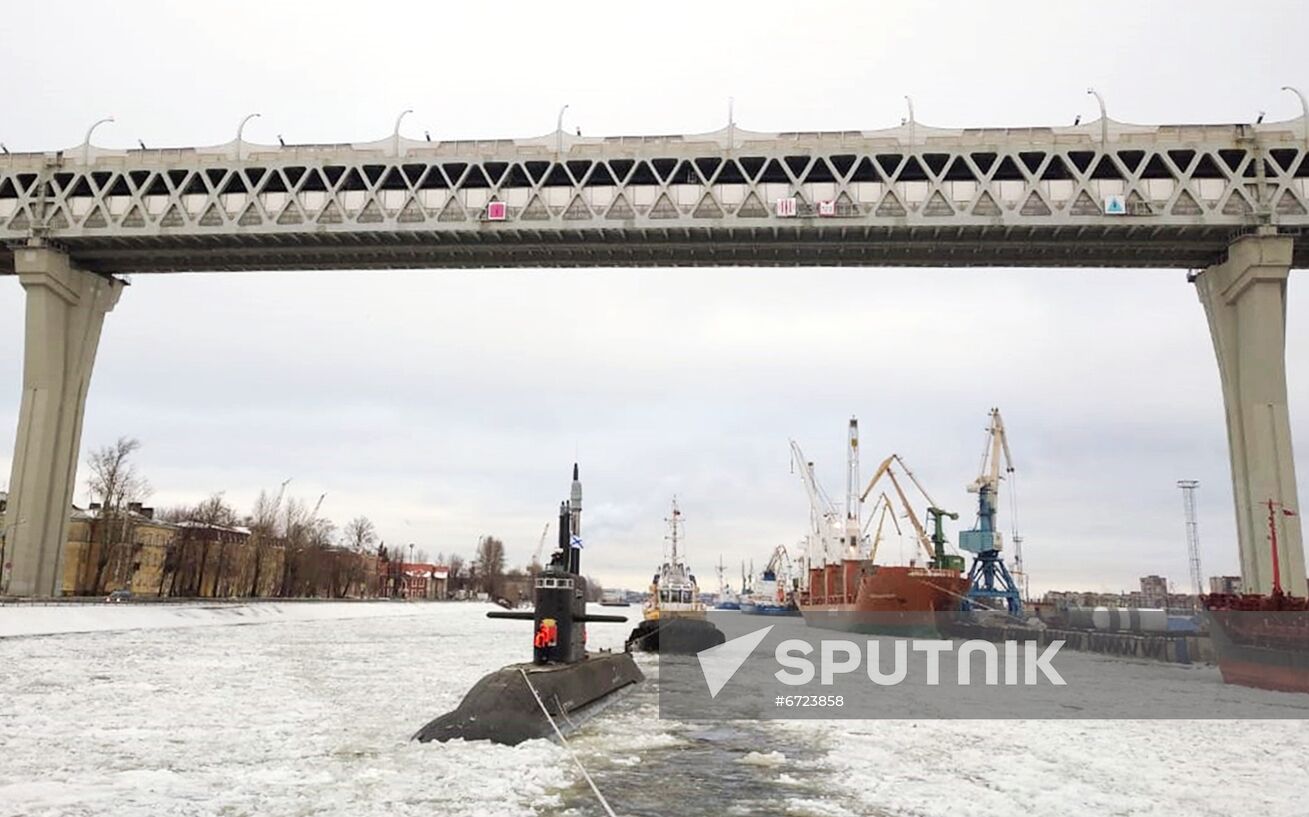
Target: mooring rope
563	742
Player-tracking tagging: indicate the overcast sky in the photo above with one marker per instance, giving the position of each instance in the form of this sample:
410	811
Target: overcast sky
445	405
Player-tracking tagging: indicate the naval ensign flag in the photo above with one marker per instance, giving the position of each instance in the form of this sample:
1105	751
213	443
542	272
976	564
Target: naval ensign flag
576	541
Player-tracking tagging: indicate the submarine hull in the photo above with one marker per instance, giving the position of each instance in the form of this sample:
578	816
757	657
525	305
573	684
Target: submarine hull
675	636
501	708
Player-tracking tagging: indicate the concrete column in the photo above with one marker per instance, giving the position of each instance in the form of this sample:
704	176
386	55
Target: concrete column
1245	301
65	310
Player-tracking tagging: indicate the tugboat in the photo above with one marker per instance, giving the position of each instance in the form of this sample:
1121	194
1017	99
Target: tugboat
564	684
674	617
727	598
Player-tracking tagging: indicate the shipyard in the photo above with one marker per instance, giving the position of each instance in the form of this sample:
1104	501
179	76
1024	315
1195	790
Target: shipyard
584	410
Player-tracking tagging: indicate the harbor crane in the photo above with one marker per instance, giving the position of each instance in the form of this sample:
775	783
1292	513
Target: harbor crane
823	518
989	578
932	544
535	566
884	503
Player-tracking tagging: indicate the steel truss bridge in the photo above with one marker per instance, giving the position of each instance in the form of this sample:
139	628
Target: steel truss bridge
911	195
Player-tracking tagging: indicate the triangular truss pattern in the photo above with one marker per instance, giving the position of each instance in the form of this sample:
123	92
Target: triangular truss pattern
291	214
96	218
1289	205
20	221
412	212
620	210
134	218
250	217
707	208
938	206
1183	178
664	208
371	214
1237	205
752	207
172	218
58	221
535	211
1035	206
577	210
213	217
890	206
986	206
1085	206
331	214
453	211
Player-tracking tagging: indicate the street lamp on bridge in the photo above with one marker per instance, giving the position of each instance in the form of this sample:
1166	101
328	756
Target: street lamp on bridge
86	143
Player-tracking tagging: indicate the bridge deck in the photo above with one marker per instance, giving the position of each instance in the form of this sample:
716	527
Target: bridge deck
1166	196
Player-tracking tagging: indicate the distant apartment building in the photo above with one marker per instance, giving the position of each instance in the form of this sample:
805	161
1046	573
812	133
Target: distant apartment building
1154	591
1224	584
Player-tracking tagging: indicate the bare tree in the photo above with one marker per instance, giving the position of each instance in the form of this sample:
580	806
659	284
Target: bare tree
455	576
491	563
360	534
420	556
263	522
114	483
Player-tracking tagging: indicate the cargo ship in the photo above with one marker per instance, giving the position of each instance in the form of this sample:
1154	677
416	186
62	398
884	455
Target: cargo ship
860	596
848	590
1262	640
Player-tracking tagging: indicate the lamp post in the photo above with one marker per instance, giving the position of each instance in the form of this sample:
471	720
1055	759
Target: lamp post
559	132
913	125
731	124
408	588
239	130
1104	117
86	143
395	136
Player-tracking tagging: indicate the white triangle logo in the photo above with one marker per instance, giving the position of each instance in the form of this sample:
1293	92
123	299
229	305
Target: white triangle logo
720	663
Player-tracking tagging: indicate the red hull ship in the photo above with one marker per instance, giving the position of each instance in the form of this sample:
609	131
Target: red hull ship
859	596
1262	641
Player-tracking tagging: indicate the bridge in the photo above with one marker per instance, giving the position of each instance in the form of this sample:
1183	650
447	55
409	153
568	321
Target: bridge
1230	201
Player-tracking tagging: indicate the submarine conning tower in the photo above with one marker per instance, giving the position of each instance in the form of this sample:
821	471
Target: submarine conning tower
559	593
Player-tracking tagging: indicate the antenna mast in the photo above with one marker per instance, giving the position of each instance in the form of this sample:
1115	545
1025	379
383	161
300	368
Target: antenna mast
1188	487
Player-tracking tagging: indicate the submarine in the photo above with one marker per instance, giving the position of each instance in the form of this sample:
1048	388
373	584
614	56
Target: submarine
509	706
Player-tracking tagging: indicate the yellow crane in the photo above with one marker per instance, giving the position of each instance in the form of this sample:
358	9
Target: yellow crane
932	544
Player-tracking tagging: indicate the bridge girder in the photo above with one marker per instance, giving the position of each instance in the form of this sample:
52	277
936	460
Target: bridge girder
913	197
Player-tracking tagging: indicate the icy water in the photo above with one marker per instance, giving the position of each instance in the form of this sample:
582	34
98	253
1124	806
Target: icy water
313	718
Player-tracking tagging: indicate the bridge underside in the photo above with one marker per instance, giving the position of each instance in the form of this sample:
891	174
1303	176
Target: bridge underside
1185	247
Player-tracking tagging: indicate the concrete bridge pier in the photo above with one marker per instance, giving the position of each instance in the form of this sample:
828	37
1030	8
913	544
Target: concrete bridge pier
1245	300
66	307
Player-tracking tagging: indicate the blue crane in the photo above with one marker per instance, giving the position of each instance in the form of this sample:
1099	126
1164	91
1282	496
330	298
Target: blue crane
989	578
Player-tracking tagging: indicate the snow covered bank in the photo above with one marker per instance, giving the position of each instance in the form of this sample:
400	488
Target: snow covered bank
56	619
